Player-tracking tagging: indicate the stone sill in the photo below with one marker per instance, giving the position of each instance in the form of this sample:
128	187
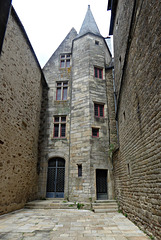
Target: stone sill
59	139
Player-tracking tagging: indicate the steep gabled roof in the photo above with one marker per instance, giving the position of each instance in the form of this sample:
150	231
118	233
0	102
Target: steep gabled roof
64	47
89	25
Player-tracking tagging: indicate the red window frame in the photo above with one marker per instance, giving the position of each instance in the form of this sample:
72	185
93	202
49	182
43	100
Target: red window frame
99	106
97	72
61	86
54	131
97	131
66	59
59	121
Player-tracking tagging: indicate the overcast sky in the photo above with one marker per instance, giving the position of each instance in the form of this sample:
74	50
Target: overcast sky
47	22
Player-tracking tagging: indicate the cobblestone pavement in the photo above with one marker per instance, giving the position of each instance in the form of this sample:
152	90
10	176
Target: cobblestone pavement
70	224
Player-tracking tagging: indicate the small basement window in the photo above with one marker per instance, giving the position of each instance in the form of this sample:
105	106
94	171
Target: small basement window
79	170
95	132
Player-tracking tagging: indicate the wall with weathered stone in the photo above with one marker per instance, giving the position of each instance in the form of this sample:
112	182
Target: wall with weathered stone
20	103
91	153
56	147
137	163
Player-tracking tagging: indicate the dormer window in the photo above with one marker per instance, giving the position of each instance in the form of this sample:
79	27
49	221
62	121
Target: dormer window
65	60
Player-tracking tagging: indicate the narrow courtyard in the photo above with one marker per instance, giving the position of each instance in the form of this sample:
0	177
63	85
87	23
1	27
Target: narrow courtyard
70	224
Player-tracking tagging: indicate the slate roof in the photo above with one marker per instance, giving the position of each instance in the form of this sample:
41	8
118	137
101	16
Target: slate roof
89	25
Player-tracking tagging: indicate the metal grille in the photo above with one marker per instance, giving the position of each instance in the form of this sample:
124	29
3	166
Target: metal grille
51	179
96	109
60	163
101	110
101	182
60	180
56	175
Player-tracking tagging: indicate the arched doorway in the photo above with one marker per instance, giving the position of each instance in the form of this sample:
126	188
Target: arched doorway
55	179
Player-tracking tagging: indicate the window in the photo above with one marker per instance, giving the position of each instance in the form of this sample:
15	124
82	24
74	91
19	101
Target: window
98	72
97	42
79	170
128	169
61	90
59	127
65	60
95	132
98	110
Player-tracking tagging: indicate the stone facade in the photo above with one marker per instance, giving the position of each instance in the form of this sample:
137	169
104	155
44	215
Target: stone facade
56	147
91	152
137	162
79	149
21	89
70	128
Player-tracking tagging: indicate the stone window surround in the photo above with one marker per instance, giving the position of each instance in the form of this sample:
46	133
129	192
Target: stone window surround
59	124
65	60
98	72
95	132
61	85
79	170
99	107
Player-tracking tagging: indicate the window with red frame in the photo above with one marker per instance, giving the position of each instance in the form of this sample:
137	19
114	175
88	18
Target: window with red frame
61	91
98	110
95	132
98	72
59	127
65	60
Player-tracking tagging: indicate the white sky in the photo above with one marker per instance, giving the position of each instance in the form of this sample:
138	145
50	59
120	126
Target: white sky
47	22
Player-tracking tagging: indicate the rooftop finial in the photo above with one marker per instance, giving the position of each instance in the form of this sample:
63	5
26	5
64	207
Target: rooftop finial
89	25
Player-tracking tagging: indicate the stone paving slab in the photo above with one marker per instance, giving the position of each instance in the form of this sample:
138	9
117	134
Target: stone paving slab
71	224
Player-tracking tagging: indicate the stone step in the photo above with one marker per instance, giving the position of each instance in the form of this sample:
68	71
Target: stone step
50	204
56	204
104	210
105	206
105	201
56	200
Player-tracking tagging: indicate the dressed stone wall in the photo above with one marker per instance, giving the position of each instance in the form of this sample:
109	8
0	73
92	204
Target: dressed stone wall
56	147
91	153
137	163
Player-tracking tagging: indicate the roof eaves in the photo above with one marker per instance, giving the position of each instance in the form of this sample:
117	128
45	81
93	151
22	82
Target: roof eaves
112	5
13	12
93	35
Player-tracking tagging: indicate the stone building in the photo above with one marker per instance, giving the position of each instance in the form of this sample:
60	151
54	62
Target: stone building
137	161
60	139
75	162
22	85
